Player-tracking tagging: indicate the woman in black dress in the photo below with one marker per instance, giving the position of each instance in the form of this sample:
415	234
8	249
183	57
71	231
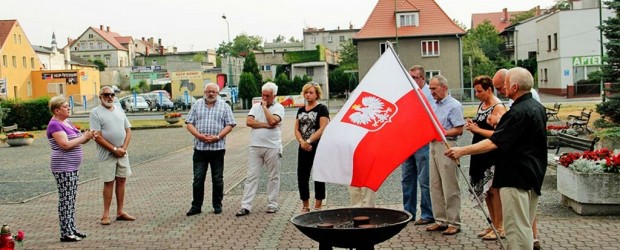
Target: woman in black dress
482	165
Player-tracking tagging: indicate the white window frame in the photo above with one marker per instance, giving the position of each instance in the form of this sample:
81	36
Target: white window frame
342	39
330	39
408	19
430	50
312	39
382	47
430	73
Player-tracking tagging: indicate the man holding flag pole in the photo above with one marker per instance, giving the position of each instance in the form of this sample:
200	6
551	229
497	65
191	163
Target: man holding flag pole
385	102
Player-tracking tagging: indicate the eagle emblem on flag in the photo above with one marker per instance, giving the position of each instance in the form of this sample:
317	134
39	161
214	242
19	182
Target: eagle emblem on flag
370	112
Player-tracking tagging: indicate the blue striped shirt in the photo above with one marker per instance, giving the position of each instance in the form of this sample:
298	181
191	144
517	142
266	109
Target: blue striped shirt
210	121
64	160
449	112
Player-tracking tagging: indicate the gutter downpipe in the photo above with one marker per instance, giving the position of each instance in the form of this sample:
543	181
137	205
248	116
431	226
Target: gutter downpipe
461	62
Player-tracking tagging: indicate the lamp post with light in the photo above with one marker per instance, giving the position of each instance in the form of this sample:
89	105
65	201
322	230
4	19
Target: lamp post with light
230	80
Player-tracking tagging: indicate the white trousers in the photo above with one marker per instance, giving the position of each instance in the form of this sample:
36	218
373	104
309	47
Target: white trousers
361	197
257	158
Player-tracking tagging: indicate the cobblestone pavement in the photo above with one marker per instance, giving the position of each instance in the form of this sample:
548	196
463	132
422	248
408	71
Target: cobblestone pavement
159	194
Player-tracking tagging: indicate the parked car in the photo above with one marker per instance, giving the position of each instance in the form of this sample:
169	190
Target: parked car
184	104
226	97
166	94
130	105
153	100
117	104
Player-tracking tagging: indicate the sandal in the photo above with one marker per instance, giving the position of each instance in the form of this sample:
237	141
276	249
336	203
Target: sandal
490	236
485	232
305	210
105	221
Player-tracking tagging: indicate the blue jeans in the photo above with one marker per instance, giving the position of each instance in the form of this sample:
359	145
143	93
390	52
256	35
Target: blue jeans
414	170
202	160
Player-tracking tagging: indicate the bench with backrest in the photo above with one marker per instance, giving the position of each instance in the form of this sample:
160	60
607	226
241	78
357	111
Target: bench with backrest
581	121
571	141
553	112
8	129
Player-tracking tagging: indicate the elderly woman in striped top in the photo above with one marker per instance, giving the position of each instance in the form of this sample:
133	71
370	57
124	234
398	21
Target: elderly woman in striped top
66	157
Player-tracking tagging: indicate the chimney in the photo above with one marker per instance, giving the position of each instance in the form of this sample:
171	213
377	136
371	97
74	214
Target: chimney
68	41
101	27
505	19
159	41
338	27
142	38
147	51
107	28
350	26
537	10
161	50
67	54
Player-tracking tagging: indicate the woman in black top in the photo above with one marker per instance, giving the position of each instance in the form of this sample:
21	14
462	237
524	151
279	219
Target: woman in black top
310	121
482	168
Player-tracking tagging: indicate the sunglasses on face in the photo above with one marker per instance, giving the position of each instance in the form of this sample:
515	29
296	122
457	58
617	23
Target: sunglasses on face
108	95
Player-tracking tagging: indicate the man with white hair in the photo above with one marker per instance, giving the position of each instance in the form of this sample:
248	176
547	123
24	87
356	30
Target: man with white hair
265	119
520	169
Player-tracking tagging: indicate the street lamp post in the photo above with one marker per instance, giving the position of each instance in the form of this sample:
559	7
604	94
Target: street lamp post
600	30
230	80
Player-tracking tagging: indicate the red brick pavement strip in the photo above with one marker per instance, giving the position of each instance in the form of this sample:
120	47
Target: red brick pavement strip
159	194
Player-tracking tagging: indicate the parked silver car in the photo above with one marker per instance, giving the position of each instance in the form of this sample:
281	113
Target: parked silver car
131	105
153	100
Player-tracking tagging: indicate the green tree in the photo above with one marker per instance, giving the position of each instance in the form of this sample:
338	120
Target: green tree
293	40
560	5
285	86
348	54
486	37
142	87
101	65
241	44
251	66
198	57
611	30
247	89
458	23
516	18
279	39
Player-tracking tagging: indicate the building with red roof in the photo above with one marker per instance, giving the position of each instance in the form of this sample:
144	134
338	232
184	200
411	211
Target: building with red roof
422	33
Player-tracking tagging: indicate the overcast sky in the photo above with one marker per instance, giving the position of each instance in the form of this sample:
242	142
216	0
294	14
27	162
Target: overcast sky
198	24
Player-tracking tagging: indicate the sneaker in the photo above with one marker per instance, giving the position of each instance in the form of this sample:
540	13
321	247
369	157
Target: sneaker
272	210
242	212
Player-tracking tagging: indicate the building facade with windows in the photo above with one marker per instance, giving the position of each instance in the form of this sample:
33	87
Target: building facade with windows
17	61
569	49
421	33
330	39
102	44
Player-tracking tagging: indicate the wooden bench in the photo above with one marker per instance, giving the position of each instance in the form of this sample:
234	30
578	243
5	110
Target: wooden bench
580	121
8	129
571	141
553	112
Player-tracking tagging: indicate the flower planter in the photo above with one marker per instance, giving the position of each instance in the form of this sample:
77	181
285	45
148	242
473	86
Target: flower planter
15	142
589	194
173	120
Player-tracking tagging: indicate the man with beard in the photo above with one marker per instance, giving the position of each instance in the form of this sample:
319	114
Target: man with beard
113	132
209	121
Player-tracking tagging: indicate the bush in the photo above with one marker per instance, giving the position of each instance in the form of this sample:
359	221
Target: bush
30	115
610	109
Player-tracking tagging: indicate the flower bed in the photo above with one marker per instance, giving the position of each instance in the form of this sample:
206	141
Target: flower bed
19	139
589	182
173	117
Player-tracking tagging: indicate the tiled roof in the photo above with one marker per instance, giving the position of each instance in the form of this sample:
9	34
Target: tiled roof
382	20
5	29
109	36
497	19
124	39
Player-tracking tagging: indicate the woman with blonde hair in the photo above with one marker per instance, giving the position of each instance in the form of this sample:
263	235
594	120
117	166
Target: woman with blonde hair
66	156
310	122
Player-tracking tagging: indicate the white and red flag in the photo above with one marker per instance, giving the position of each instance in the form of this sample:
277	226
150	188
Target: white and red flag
384	121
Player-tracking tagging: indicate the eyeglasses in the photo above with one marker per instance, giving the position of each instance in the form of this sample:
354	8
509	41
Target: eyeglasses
108	95
417	77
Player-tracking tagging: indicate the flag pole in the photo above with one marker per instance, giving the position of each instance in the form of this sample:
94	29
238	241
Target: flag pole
445	141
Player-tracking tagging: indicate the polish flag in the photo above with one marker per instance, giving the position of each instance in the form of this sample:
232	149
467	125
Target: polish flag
384	121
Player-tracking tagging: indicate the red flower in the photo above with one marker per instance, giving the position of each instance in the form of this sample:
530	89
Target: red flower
20	236
17	135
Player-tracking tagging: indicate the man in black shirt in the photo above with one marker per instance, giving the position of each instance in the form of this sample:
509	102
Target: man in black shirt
521	139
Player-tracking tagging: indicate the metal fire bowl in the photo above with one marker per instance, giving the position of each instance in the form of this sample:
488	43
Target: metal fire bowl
389	223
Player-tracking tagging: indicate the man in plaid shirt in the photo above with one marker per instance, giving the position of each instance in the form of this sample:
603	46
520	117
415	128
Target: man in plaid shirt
209	121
